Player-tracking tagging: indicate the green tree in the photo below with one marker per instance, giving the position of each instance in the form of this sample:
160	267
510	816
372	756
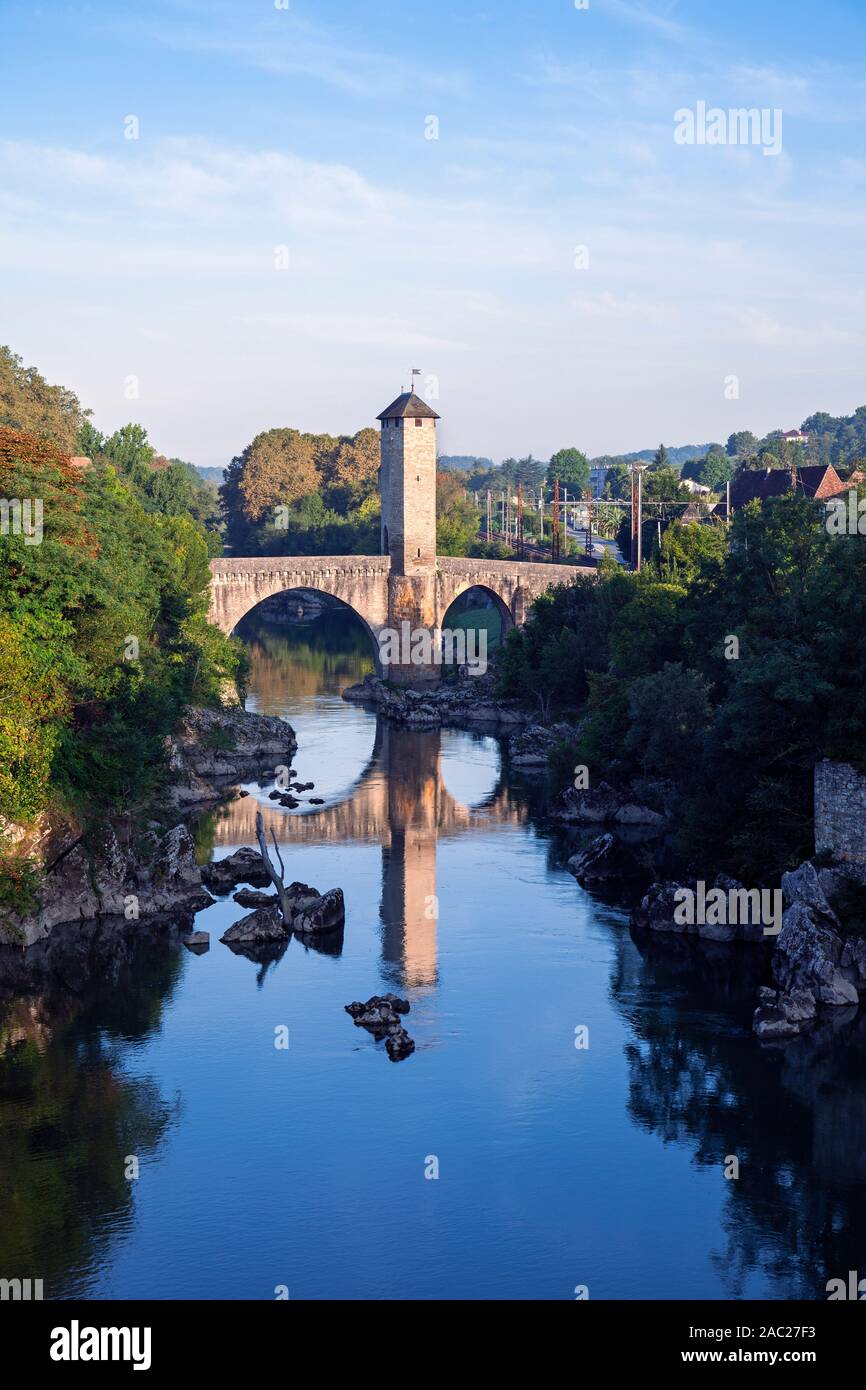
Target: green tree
617	481
742	444
571	467
717	471
669	717
456	516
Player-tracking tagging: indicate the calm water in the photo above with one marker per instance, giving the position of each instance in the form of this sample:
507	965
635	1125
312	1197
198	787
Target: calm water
306	1167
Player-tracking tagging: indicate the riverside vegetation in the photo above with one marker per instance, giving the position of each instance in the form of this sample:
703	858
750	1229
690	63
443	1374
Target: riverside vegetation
710	684
104	638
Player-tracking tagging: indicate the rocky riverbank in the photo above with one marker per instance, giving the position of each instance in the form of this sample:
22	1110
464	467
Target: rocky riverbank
131	870
214	749
818	940
464	702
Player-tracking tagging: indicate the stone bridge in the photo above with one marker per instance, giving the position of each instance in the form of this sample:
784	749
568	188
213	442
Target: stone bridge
408	582
362	582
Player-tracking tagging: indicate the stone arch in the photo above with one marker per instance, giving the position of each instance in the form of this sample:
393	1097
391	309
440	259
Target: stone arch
344	606
462	587
359	583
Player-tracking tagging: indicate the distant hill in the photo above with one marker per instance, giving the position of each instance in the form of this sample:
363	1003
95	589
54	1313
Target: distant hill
677	455
462	463
212	475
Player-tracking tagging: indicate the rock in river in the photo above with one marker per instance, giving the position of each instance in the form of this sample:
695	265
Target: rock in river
259	928
253	897
314	912
244	866
381	1017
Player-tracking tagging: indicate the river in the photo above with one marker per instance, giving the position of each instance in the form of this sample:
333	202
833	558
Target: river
155	1142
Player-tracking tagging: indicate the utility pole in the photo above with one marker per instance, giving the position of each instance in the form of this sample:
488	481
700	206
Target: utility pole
489	518
639	519
554	554
637	471
520	520
587	497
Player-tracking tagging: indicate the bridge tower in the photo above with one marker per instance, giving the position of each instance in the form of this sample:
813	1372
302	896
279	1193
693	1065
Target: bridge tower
407	486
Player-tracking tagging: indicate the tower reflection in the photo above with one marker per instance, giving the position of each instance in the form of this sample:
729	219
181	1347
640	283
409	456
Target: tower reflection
400	801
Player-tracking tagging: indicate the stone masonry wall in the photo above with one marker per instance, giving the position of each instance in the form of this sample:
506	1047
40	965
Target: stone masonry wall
840	811
408	480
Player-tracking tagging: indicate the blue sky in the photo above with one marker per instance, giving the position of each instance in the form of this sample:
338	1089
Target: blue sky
304	128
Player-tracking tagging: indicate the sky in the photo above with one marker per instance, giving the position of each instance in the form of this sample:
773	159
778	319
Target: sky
321	196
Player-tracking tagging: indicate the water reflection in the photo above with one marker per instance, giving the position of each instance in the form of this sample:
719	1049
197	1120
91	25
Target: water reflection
794	1115
400	802
70	1117
604	1166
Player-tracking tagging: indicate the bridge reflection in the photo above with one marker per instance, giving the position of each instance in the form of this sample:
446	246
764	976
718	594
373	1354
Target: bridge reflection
401	802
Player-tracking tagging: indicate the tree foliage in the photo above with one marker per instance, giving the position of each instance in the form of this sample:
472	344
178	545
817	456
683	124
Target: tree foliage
735	728
104	635
27	402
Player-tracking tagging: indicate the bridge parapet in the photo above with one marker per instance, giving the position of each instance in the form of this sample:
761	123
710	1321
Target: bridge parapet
364	583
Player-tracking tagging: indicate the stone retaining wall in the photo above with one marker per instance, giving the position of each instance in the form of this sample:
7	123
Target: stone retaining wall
840	811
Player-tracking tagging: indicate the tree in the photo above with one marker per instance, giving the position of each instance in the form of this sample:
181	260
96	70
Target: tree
351	473
617	482
278	468
456	516
685	552
27	402
131	452
571	468
717	471
742	444
669	714
663	485
660	458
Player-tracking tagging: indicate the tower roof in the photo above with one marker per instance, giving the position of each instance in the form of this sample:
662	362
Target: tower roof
408	405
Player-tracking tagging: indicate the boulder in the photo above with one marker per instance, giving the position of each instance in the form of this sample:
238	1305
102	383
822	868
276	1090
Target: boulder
198	942
781	1015
381	1016
244	866
803	885
808	955
212	749
593	805
314	912
253	897
852	961
259	928
399	1045
175	879
603	859
658	906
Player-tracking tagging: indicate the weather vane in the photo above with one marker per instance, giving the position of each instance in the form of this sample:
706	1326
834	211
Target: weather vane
416	371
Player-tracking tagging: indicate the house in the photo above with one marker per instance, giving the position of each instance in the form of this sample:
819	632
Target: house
819	481
795	437
694	487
